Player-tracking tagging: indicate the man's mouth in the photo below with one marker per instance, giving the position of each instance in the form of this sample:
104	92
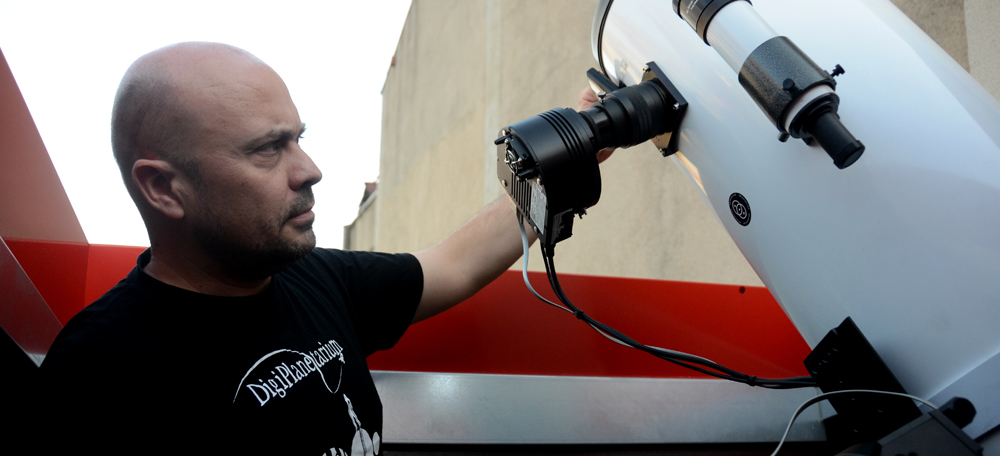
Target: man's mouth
303	216
302	209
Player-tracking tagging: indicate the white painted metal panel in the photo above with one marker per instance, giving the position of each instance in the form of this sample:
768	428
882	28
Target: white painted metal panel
422	407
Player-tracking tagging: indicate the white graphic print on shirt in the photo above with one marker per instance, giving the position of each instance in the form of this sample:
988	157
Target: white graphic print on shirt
363	445
285	372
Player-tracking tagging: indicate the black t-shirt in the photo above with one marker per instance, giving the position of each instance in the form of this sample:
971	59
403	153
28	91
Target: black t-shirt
153	368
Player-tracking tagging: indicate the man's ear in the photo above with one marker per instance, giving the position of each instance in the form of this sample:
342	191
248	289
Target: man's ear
156	181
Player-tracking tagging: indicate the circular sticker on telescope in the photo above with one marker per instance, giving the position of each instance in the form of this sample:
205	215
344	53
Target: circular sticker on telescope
740	208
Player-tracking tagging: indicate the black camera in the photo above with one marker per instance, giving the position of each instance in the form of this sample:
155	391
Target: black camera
548	163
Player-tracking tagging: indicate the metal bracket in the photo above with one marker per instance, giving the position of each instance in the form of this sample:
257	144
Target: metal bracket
667	142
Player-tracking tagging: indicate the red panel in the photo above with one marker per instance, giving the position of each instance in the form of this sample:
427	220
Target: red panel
107	265
57	269
71	275
505	330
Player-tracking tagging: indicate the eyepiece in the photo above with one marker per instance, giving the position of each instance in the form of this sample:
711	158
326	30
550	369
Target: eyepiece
836	140
819	121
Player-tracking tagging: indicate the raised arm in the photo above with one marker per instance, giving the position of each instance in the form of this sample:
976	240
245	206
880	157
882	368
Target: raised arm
470	258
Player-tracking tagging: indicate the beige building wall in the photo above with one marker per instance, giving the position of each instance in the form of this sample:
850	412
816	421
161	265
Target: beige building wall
430	178
360	234
981	19
464	69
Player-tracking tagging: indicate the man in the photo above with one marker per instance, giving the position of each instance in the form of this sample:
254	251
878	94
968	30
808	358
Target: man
233	332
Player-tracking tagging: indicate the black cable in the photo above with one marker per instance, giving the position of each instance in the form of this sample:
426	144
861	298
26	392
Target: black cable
678	358
557	288
681	359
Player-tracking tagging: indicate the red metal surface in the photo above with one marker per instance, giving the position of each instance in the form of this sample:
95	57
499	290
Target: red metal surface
106	266
24	316
505	330
70	275
57	269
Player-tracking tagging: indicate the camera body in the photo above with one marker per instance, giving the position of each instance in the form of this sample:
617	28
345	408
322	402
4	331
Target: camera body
548	163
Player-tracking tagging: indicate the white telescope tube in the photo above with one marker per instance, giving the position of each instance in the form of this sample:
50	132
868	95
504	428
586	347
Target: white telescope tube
906	240
735	31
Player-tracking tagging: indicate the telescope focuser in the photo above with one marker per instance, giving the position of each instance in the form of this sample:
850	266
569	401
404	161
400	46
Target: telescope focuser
795	94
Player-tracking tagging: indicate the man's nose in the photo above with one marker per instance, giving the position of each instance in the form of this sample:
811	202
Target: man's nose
305	173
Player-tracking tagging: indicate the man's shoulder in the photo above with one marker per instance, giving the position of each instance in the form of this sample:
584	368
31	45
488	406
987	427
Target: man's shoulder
117	303
131	317
348	263
94	337
348	257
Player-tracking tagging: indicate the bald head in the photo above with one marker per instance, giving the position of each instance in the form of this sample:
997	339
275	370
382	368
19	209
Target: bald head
155	113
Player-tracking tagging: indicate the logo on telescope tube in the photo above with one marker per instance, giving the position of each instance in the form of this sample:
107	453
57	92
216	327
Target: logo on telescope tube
740	208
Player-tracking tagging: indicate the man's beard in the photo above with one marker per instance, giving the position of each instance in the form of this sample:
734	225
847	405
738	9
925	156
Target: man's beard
253	253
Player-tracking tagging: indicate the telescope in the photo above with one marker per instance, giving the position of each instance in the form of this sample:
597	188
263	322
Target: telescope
900	237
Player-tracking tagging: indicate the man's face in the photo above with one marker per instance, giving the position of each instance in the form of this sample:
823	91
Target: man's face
249	206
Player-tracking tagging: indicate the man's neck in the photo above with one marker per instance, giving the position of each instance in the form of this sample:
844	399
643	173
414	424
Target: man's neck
200	278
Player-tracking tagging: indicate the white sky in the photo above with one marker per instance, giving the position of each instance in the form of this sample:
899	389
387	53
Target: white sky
68	58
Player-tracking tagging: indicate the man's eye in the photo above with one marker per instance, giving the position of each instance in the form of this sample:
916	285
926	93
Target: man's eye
271	147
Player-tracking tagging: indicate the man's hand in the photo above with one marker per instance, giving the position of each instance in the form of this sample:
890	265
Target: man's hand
586	100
